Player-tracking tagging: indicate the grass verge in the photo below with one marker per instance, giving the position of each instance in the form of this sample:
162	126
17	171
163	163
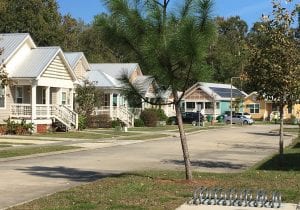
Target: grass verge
32	150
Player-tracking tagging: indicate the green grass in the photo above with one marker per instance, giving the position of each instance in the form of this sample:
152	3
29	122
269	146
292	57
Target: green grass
5	145
162	190
32	150
15	143
167	189
75	135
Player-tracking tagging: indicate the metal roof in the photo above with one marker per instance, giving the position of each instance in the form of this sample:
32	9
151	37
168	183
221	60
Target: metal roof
143	83
10	42
101	79
73	58
35	63
115	70
218	91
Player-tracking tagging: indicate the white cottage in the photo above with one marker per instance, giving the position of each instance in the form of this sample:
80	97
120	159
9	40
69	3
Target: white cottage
41	83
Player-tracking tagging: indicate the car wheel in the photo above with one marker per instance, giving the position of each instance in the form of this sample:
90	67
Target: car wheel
245	122
228	122
194	123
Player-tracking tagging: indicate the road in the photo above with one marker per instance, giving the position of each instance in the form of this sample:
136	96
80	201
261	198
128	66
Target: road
220	150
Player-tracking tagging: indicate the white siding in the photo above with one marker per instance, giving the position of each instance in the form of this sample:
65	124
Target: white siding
18	57
5	112
57	70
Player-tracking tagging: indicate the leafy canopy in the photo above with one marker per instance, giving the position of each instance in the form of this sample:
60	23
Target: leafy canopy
170	45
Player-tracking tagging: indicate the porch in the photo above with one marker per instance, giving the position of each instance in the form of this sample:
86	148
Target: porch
42	104
45	112
210	108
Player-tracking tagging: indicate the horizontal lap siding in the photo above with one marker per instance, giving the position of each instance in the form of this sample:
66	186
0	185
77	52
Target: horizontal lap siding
57	70
5	112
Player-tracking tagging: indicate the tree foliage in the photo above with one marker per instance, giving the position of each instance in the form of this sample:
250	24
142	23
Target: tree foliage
227	55
87	98
169	45
3	73
274	67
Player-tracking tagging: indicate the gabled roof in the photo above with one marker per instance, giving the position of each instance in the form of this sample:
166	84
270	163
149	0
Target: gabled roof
143	83
37	61
74	57
103	80
115	70
217	90
11	43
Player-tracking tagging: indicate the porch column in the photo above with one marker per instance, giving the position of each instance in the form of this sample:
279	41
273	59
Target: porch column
33	101
47	95
71	95
111	105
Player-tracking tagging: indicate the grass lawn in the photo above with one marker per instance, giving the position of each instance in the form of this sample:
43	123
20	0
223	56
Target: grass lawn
32	150
167	189
75	135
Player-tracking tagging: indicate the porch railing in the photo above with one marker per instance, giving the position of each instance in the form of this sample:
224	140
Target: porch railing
60	112
121	113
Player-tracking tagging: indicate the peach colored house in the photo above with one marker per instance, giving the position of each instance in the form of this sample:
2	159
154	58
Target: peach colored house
261	109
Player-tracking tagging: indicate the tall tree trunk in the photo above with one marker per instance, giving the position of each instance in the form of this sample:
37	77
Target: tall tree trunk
185	150
281	134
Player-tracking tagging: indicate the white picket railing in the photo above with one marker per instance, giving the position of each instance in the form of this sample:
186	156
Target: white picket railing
121	113
60	112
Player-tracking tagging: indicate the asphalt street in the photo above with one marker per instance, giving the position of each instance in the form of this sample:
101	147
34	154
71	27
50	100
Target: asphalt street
217	150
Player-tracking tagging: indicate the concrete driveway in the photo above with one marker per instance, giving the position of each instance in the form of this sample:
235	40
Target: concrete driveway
221	150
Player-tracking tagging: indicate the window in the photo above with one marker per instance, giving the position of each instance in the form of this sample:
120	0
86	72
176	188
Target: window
44	96
209	105
190	105
254	108
106	99
19	94
2	97
63	98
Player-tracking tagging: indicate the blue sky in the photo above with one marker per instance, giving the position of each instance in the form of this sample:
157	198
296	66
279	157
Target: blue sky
248	10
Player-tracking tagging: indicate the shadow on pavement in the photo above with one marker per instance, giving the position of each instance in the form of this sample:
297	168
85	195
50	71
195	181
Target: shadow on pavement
72	174
290	162
268	134
208	164
297	146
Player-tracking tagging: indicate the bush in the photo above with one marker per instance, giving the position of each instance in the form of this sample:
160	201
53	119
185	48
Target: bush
82	122
161	114
3	129
100	121
18	128
149	117
139	123
115	123
172	121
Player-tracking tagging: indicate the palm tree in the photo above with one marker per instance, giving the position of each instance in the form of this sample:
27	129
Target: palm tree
168	44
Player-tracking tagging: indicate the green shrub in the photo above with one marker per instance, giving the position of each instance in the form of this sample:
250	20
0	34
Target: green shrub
171	120
161	115
82	122
18	128
149	117
99	121
139	123
3	129
115	123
